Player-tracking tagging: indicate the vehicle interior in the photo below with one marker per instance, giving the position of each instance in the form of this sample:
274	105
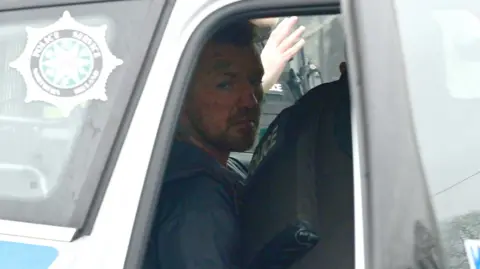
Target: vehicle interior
299	174
317	63
297	188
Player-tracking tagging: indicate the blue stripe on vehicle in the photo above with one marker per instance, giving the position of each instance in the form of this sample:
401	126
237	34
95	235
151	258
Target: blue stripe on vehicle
15	255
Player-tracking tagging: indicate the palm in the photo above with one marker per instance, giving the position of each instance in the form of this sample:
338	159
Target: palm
281	46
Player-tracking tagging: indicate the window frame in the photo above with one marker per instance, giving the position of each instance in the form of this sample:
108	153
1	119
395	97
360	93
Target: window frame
214	13
389	177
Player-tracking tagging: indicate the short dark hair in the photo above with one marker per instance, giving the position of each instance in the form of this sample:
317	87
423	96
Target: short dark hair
238	33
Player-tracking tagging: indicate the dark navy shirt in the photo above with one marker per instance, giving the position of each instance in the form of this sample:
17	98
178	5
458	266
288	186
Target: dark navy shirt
196	224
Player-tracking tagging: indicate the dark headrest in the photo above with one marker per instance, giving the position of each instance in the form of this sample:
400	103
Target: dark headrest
237	166
283	128
302	172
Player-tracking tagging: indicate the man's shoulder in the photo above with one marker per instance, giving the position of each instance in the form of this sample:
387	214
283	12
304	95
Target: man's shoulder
194	206
194	179
187	160
198	185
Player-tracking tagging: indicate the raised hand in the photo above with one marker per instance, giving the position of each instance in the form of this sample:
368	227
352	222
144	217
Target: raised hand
281	46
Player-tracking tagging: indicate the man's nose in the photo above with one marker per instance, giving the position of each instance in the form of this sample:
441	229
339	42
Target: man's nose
248	97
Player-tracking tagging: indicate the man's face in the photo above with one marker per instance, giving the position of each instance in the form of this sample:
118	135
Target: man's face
223	104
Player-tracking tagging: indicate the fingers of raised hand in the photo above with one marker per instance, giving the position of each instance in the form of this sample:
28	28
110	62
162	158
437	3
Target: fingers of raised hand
283	29
292	51
292	40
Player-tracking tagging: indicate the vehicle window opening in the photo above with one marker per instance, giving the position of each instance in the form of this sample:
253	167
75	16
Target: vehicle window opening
294	192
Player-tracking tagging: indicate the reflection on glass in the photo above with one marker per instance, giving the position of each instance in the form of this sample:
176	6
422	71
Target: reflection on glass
36	140
441	46
461	43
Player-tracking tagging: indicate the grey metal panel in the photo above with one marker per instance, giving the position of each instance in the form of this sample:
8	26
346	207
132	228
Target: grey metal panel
267	118
398	228
275	107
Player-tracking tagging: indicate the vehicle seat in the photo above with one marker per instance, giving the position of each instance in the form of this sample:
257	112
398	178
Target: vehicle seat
302	171
236	166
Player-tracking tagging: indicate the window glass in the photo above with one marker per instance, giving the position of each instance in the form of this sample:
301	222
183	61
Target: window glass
441	44
56	124
278	98
324	48
318	62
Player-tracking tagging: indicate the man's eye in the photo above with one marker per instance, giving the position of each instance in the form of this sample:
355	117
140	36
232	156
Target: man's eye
226	85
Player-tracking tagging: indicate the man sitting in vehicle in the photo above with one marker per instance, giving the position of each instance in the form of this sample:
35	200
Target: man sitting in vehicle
196	223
